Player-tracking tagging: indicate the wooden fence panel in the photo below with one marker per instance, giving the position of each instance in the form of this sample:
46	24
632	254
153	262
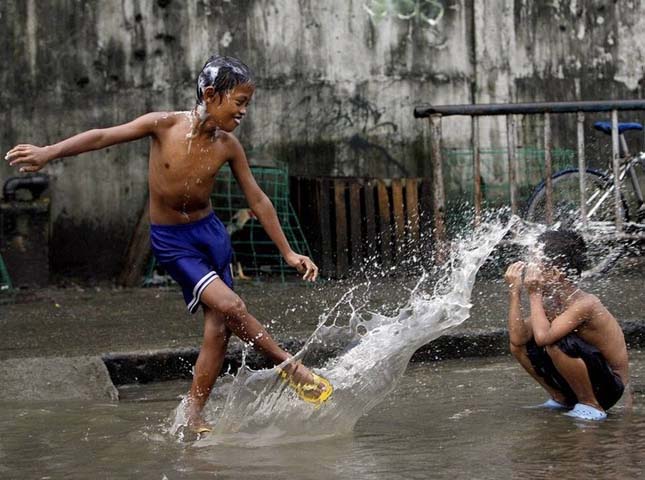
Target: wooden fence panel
385	223
355	222
398	213
328	267
341	227
356	219
370	219
412	208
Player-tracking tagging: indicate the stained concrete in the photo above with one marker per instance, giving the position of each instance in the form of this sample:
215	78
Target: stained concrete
56	378
336	88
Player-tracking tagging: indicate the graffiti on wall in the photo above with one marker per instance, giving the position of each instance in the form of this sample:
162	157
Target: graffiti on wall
429	12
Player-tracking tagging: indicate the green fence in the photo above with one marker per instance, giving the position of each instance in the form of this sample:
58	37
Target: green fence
252	247
458	171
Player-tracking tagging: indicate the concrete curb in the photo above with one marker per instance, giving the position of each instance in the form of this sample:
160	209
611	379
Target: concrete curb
173	364
56	378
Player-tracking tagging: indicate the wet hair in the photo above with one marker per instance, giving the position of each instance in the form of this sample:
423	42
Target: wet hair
566	250
223	74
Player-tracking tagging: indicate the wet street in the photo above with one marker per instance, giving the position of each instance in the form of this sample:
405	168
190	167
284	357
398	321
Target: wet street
452	419
94	321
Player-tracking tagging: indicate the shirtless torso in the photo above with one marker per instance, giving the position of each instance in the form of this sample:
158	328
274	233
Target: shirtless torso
182	168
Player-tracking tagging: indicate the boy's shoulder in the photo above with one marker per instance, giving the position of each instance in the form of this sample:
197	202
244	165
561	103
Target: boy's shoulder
170	118
229	141
165	119
160	123
225	141
586	300
590	305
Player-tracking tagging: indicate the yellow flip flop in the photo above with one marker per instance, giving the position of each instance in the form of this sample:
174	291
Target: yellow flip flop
201	429
307	391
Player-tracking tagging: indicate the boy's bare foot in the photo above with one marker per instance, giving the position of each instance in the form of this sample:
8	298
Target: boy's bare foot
197	424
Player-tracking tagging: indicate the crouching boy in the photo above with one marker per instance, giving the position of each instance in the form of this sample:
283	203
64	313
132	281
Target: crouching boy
570	343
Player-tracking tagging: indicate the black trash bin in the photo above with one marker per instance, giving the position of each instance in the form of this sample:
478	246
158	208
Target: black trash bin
24	230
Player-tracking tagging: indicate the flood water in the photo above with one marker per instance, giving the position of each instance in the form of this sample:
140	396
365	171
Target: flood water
458	419
452	419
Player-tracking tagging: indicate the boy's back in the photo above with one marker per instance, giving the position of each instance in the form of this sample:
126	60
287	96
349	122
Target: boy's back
598	327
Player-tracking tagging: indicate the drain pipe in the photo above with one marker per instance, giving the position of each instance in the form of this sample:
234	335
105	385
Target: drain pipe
36	184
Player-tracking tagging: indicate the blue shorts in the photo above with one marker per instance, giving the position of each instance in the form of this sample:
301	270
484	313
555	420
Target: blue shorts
194	254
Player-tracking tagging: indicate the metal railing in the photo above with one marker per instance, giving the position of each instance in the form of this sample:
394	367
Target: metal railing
436	113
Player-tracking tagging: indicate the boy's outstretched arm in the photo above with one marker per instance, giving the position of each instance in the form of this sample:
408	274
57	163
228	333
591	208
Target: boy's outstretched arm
264	210
30	158
518	333
546	333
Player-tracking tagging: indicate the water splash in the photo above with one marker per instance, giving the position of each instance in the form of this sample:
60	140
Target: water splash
370	354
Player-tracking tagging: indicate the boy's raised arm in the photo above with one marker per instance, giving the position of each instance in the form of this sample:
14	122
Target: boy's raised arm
265	212
518	333
30	158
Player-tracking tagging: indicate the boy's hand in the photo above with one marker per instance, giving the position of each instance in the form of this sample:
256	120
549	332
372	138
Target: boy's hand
533	278
29	158
513	276
304	265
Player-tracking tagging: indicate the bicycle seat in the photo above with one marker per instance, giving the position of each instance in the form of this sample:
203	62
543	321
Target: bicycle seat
622	127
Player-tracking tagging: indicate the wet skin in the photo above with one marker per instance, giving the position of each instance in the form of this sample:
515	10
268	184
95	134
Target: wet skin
187	150
559	307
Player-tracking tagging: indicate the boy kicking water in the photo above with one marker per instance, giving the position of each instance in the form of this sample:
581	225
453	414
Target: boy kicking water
187	149
570	343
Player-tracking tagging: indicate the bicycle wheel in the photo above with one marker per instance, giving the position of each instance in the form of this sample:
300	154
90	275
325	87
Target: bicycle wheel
602	253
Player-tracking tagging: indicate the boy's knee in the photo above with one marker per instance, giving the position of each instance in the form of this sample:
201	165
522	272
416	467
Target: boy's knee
233	308
517	351
215	328
553	350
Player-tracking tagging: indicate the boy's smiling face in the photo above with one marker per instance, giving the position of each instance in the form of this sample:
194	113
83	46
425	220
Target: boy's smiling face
226	111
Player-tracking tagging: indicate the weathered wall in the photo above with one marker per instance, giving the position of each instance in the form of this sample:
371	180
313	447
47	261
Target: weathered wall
336	87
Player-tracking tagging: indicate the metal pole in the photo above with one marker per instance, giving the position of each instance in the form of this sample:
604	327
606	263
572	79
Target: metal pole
477	170
582	168
548	168
616	164
423	111
623	145
438	196
510	136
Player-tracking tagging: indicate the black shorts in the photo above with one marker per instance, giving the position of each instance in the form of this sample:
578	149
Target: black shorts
607	386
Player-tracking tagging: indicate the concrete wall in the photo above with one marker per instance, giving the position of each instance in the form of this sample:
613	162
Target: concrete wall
336	85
